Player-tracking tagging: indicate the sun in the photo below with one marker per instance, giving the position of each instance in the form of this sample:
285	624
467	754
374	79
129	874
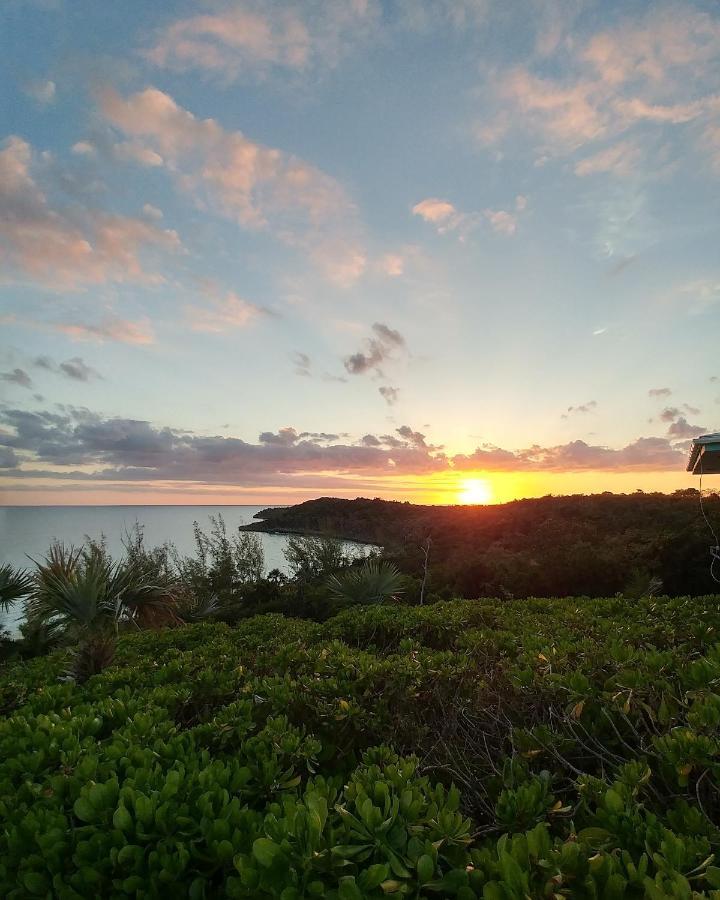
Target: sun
475	491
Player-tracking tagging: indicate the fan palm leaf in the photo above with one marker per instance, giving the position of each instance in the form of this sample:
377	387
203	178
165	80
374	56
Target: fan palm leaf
372	582
15	585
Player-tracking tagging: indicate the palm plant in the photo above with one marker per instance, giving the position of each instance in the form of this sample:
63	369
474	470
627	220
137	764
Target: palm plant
81	596
15	585
373	582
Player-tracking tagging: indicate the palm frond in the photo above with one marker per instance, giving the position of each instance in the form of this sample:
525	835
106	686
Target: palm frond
372	582
15	584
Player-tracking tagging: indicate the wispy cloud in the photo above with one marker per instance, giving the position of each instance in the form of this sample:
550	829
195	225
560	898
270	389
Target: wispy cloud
259	187
223	313
303	364
75	368
251	37
580	409
17	376
110	329
66	248
43	92
659	69
618	159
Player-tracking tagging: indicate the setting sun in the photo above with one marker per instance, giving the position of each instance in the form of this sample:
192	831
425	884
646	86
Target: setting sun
475	490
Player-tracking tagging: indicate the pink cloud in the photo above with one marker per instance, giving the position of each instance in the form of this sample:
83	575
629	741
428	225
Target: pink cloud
111	329
234	39
446	218
252	36
46	243
568	114
655	69
645	453
223	314
261	188
619	159
434	210
501	220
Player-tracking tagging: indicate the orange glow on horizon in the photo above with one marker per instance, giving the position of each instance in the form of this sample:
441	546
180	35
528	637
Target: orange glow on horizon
475	491
442	488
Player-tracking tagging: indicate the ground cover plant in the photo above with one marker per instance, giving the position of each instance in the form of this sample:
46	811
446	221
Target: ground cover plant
498	749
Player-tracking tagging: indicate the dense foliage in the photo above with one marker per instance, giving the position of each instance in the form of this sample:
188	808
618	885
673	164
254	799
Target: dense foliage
594	545
540	748
82	597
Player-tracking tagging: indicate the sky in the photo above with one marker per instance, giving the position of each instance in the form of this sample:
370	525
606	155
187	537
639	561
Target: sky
257	252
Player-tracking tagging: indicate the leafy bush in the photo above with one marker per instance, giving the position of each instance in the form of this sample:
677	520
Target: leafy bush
494	749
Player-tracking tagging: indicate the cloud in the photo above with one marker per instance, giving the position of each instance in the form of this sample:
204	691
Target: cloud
42	92
110	329
701	294
681	428
17	376
656	70
75	368
447	218
659	392
501	221
152	212
64	247
643	454
389	394
135	152
285	437
392	264
46	444
119	151
434	210
302	363
581	409
134	450
223	314
259	37
379	348
260	188
78	370
619	159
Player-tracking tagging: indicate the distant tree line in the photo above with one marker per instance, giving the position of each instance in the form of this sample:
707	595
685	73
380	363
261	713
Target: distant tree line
595	545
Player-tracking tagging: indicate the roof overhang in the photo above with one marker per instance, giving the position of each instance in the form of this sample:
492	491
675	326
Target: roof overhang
705	455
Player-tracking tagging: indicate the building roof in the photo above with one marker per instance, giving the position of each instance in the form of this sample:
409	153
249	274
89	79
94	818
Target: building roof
705	455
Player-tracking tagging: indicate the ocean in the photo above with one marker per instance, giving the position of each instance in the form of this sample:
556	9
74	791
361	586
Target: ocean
27	532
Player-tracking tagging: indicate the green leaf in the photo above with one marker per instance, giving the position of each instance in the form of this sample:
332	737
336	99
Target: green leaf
265	851
425	868
122	819
374	875
35	883
348	889
83	810
594	837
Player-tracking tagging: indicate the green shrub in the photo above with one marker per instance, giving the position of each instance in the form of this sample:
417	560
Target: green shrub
494	749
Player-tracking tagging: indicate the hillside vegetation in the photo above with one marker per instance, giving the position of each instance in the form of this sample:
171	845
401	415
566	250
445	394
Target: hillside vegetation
496	749
595	545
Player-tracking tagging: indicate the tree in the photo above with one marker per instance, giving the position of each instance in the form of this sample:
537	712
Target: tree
315	557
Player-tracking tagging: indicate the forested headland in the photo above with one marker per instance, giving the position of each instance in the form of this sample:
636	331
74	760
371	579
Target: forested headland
590	545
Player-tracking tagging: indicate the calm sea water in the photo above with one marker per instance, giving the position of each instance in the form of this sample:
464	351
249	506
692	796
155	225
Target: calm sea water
29	531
